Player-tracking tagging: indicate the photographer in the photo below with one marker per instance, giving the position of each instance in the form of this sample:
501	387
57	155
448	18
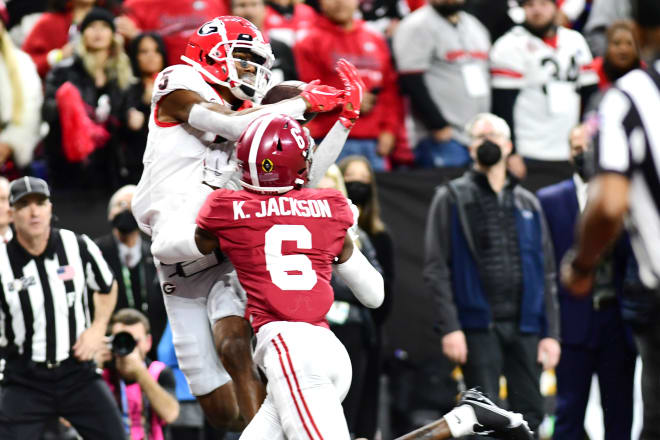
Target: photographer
143	389
489	264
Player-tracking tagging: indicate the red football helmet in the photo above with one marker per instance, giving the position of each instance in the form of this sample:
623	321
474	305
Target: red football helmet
274	152
210	51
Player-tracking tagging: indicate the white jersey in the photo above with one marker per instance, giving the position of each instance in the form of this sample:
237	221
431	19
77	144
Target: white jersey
549	75
171	183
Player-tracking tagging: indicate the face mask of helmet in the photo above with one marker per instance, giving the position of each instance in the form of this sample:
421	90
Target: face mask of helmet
488	153
124	222
358	192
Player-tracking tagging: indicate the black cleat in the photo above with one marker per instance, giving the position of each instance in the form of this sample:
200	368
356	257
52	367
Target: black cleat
493	420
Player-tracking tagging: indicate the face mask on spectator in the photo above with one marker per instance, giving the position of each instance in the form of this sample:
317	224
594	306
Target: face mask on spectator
447	10
583	164
358	192
488	153
125	222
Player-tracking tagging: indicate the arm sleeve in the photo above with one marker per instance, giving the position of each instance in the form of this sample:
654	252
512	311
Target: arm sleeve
54	80
362	278
413	85
388	97
436	272
24	137
504	101
618	117
550	285
507	64
98	274
327	153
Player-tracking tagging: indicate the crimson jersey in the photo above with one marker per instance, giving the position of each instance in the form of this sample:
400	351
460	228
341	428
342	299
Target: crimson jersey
282	247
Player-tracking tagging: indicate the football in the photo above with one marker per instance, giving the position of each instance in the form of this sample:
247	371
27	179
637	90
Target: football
286	90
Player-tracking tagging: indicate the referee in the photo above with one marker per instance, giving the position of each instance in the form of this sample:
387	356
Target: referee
628	185
45	334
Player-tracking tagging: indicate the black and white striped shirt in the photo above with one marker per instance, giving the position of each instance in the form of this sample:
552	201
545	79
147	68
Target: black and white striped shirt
43	300
629	143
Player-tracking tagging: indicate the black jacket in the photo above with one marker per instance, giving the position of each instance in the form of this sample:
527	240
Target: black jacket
99	170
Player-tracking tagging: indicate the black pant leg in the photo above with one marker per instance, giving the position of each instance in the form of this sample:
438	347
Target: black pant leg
648	344
367	424
484	362
85	400
24	410
352	336
523	375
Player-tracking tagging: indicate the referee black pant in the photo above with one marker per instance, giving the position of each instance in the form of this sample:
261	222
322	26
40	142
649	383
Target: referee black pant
32	394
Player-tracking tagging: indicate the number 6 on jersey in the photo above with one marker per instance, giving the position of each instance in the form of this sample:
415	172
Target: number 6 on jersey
279	265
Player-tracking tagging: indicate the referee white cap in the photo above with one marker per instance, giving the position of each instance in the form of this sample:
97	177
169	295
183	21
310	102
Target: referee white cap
25	186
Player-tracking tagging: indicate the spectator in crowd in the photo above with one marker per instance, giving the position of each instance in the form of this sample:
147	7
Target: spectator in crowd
353	323
489	265
363	192
174	20
441	54
6	233
284	67
148	57
21	96
144	389
338	34
129	257
384	15
594	339
284	18
45	273
541	73
603	13
54	36
82	106
622	56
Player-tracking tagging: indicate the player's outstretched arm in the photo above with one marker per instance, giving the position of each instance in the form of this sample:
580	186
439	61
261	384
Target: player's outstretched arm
327	152
188	107
360	276
176	243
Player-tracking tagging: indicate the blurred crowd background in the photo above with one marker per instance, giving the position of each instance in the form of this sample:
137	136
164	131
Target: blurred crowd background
76	78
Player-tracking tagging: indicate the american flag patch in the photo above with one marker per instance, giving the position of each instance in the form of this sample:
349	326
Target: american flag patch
65	273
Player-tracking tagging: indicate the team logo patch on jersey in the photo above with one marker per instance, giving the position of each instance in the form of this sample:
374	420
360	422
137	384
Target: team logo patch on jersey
169	287
267	165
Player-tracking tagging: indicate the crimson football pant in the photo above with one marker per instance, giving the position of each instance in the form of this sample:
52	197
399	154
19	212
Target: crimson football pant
309	374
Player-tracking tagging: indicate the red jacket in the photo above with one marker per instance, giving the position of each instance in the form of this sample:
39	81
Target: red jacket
317	51
174	20
50	32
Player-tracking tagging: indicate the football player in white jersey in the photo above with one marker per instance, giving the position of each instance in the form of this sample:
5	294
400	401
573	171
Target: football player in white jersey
540	74
192	131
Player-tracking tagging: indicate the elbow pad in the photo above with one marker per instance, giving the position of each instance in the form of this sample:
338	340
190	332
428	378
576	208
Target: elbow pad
176	243
231	126
363	279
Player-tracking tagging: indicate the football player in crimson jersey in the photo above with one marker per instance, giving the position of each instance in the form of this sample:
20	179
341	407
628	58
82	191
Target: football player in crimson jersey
285	242
192	132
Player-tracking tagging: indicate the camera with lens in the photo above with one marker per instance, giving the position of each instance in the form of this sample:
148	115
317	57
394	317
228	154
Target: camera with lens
123	343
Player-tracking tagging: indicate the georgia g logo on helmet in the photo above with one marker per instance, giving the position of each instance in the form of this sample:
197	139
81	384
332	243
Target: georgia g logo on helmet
209	28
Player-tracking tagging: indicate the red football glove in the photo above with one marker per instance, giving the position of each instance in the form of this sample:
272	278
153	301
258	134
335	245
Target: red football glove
321	98
353	91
